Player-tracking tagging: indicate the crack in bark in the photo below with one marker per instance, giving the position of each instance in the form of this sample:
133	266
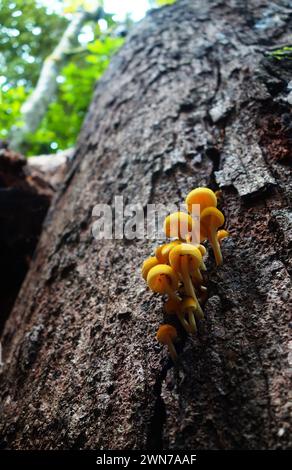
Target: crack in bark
158	420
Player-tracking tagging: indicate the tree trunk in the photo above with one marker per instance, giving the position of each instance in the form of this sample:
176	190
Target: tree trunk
190	100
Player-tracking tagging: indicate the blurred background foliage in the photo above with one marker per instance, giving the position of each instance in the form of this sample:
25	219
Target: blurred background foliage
161	3
29	32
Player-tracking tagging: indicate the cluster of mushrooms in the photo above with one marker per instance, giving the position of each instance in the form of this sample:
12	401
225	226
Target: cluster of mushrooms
176	269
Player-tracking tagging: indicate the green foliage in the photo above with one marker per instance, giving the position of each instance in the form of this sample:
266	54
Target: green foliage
30	34
161	3
10	104
64	118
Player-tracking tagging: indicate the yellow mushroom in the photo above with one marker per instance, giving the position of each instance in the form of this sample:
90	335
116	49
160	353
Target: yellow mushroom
203	251
163	280
205	197
179	225
162	252
211	220
222	234
148	264
189	307
166	334
198	283
173	307
184	258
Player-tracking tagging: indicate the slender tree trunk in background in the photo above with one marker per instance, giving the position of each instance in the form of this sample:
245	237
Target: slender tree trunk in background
188	101
35	107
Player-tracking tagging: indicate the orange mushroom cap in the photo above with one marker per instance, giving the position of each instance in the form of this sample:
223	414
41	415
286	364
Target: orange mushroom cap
166	333
162	278
222	234
178	224
211	219
205	197
162	252
184	249
186	260
148	264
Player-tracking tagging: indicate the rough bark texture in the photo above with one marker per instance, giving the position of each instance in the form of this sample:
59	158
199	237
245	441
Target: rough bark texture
53	167
190	100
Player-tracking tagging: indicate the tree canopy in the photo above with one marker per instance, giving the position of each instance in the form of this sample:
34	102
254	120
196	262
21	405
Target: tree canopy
29	33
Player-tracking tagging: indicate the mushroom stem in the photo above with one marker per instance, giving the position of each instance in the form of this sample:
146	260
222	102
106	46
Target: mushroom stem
216	246
171	294
203	266
173	307
189	288
192	320
198	276
172	350
186	325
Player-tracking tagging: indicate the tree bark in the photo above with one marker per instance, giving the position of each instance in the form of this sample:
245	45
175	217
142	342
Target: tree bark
190	100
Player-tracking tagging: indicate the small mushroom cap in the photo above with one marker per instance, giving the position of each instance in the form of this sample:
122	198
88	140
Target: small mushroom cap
148	264
178	224
222	234
185	249
188	302
166	333
205	197
172	307
161	277
162	252
211	217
